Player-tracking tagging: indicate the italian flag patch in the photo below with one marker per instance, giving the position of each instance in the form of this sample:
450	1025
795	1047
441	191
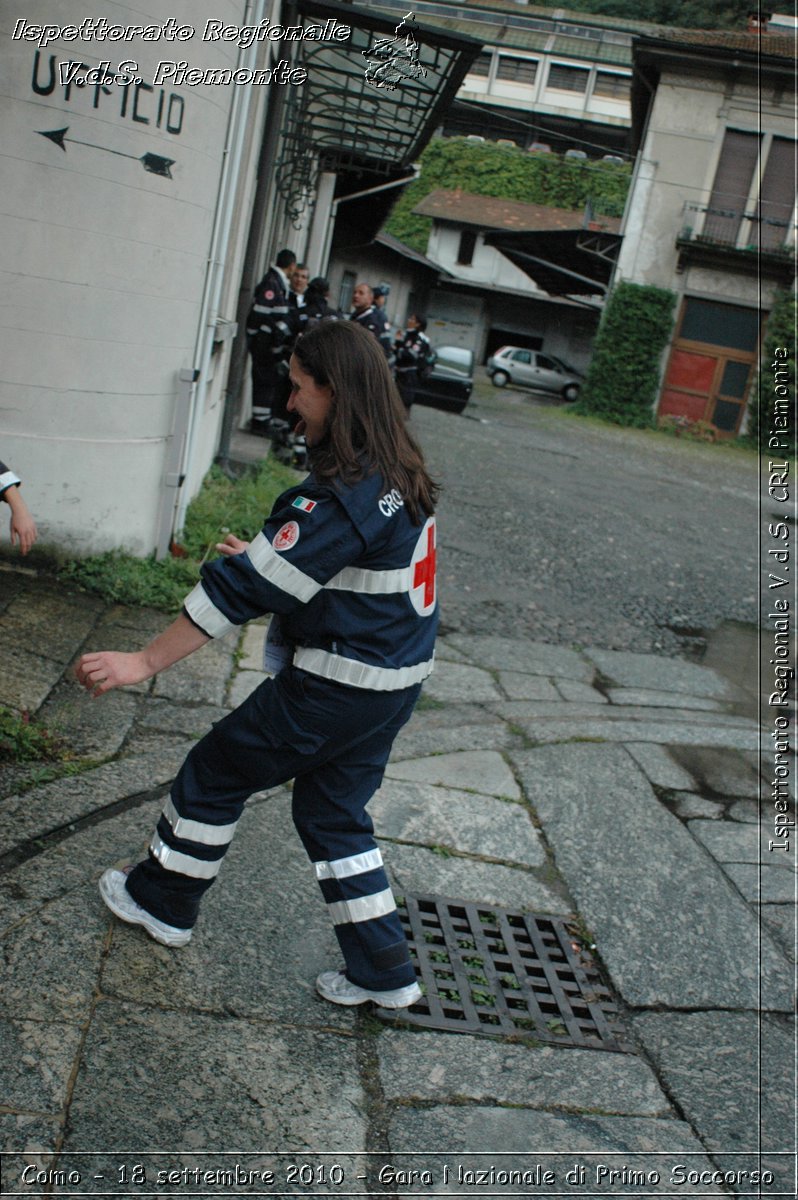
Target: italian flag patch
303	504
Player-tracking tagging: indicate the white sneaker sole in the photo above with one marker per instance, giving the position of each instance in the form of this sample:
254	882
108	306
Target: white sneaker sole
333	986
133	914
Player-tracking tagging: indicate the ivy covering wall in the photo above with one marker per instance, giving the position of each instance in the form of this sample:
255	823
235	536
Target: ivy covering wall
486	169
780	334
623	376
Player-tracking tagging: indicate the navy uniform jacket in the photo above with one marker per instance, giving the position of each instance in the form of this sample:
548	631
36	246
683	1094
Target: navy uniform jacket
7	478
349	574
413	351
272	325
375	320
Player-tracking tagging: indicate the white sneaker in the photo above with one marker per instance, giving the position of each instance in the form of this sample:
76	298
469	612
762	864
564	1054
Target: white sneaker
122	904
334	985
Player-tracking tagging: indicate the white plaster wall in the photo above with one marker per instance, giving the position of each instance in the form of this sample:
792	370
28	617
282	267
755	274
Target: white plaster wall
675	167
103	264
489	266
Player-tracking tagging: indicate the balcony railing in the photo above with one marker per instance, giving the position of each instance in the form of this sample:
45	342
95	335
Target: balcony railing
736	231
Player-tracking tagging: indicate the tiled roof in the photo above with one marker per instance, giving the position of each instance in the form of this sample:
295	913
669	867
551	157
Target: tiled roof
768	45
491	212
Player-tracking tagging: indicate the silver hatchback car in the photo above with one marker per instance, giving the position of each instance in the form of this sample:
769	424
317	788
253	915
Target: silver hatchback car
531	368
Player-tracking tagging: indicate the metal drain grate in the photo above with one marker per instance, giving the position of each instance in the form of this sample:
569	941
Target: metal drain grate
489	971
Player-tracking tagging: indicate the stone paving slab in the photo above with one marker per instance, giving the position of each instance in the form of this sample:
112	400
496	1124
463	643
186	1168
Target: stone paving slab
38	1058
73	864
457	681
243	685
520	710
251	646
52	959
731	1075
581	728
436	1066
200	677
422	872
629	670
737	843
627	860
479	825
54	625
90	728
579	693
688	806
510	654
518	686
262	936
190	720
417	740
482	771
31	1134
720	772
54	805
769	884
28	678
643	1143
746	811
659	767
781	919
199	1082
649	698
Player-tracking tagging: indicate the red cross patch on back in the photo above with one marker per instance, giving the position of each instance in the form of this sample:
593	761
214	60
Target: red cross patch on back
422	571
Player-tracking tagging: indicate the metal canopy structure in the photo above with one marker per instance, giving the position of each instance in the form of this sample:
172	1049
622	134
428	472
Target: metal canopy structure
564	262
368	106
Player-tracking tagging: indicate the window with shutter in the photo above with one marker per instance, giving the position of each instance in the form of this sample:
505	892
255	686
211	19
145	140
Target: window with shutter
727	204
777	194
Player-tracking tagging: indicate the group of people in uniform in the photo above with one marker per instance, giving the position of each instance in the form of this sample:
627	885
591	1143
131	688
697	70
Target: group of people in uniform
287	304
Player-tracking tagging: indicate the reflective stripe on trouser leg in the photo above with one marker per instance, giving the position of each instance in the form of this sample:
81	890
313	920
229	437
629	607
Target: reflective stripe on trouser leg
330	815
193	834
363	910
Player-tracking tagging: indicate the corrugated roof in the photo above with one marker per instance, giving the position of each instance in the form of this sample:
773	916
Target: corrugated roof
492	212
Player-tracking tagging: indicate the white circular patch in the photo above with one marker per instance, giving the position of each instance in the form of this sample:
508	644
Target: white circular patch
287	536
422	571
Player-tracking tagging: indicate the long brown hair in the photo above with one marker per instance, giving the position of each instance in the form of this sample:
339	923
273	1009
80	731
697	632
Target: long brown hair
366	428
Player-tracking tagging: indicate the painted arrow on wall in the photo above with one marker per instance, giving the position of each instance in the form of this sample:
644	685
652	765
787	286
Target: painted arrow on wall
151	162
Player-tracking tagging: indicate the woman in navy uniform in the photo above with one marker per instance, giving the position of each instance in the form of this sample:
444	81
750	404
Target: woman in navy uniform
346	563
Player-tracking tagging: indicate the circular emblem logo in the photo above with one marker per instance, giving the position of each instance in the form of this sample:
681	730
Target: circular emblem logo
422	571
269	295
287	536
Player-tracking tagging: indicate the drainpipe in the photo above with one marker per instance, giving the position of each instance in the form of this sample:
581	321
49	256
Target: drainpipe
264	180
214	275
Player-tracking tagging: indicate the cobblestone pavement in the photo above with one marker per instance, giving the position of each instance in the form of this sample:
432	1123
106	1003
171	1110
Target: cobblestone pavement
610	790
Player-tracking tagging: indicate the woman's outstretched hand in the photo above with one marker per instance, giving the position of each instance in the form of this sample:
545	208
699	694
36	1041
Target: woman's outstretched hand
103	670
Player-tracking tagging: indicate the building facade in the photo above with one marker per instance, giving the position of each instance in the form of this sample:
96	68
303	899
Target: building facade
712	208
153	165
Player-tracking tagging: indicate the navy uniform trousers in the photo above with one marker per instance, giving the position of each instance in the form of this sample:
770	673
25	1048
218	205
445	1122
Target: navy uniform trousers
334	742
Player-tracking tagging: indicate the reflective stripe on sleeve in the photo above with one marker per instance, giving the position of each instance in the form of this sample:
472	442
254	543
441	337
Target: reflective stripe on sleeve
272	309
183	864
364	908
8	479
371	583
288	578
198	831
344	868
360	674
204	613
